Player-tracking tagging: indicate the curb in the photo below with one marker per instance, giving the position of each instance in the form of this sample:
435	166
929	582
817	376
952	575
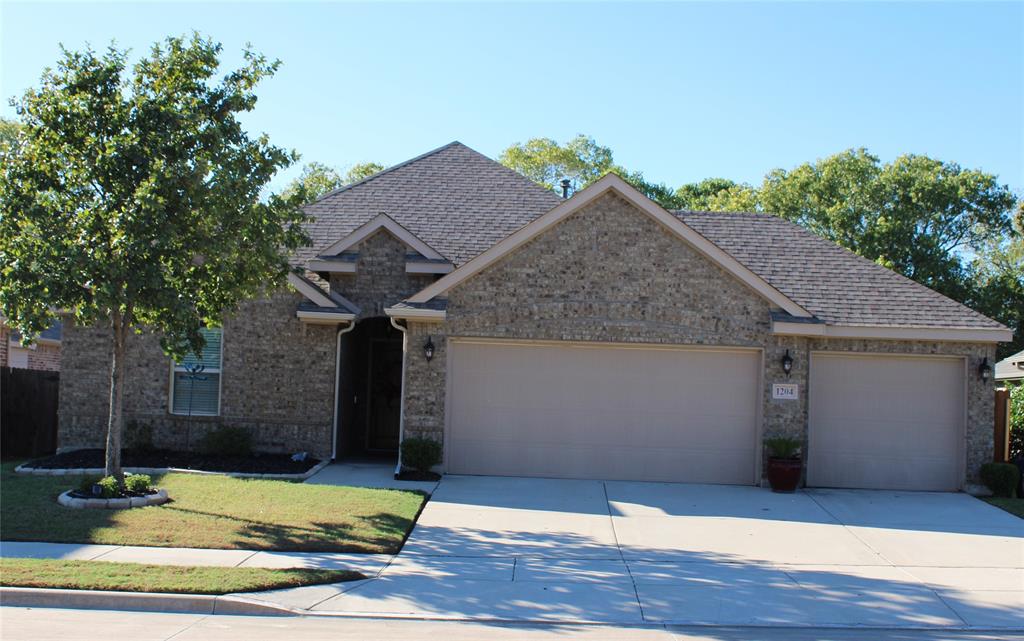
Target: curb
140	602
98	471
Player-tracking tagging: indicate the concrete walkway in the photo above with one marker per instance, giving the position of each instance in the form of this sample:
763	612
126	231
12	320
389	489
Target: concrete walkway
24	624
368	564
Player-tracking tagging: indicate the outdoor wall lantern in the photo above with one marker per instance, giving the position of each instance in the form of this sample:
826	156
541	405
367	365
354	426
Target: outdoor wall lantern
428	349
787	363
984	370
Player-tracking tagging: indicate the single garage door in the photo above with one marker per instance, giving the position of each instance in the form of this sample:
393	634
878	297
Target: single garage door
597	411
885	422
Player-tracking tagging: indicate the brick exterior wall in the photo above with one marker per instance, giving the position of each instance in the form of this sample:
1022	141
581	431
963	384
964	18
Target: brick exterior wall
277	381
610	273
380	279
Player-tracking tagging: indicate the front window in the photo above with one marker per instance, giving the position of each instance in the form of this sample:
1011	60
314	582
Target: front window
195	382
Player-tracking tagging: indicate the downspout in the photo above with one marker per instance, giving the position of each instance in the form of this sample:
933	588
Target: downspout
337	382
401	407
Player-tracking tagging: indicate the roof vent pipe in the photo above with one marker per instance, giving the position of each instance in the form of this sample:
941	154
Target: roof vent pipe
566	183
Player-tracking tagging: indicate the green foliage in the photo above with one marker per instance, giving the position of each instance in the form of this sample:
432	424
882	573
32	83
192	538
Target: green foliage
111	488
318	179
227	440
1000	478
421	454
133	200
547	162
782	447
705	195
1017	421
86	483
10	130
138	483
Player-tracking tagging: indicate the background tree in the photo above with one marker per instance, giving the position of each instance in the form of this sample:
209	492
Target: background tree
133	201
318	179
9	131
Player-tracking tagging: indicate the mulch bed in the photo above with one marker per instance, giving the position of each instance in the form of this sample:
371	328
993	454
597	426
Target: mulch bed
253	464
413	475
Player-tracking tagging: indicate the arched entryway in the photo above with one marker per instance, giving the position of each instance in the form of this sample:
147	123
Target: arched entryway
369	391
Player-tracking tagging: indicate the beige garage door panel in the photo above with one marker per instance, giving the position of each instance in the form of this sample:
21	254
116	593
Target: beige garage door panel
885	422
574	411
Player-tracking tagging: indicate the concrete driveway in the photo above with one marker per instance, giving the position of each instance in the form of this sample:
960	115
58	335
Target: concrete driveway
617	552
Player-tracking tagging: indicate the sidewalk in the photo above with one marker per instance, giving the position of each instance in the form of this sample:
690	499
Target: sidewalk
368	564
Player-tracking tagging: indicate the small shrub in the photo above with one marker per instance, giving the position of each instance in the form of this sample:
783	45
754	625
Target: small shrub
782	447
1016	421
85	486
420	454
225	440
111	488
1000	478
137	483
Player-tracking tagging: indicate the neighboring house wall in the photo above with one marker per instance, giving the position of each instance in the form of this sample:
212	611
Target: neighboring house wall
43	356
611	273
380	279
277	381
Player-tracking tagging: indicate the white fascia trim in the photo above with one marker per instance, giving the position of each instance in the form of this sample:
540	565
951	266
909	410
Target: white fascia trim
325	317
310	291
881	332
428	268
386	222
331	266
611	182
435	315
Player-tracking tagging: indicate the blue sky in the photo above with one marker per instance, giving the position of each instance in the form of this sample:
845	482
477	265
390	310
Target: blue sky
680	91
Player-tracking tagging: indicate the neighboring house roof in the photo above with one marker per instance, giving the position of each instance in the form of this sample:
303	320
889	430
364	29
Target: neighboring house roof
1011	368
50	335
836	285
454	199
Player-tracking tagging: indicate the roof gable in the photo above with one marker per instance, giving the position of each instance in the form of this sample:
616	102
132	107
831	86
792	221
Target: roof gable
613	183
453	199
385	222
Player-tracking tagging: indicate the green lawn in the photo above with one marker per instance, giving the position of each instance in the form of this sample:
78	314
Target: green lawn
136	577
1013	506
215	512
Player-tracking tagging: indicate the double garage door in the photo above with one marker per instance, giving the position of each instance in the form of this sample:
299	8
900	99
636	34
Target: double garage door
598	411
685	414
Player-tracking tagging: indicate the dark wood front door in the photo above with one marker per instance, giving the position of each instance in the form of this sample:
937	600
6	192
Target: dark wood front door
384	394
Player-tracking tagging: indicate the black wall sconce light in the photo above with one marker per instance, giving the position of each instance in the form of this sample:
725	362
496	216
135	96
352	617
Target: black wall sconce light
985	370
428	349
787	363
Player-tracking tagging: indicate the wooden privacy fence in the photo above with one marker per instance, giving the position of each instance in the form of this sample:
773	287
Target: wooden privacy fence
28	412
1002	434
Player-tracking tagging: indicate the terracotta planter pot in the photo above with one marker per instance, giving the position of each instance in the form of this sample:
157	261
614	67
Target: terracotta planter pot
784	474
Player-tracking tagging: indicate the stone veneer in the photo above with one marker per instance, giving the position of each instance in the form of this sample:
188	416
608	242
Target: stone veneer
277	381
380	279
610	273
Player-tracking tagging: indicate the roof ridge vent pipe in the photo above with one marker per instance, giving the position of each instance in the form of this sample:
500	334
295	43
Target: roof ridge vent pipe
566	184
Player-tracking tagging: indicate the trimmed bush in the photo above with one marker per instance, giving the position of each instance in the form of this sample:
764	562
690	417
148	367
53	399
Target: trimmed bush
420	454
225	440
782	447
1000	478
1016	421
111	488
138	483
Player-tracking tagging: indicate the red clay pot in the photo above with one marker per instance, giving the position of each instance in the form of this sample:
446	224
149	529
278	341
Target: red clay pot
784	474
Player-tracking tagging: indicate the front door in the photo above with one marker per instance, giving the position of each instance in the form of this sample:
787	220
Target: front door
384	395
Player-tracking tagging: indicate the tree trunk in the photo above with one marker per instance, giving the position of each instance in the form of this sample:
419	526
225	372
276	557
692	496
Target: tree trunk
115	423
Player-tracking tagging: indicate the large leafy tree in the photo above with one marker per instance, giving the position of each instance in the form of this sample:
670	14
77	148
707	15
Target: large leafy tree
318	179
131	201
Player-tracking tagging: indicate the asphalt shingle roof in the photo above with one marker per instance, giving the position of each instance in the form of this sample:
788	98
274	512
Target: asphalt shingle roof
829	281
456	200
461	202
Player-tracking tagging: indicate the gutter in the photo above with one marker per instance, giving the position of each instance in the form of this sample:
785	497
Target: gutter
401	407
337	381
